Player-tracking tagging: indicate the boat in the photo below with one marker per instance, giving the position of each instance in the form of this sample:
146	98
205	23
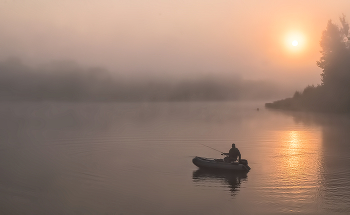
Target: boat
220	164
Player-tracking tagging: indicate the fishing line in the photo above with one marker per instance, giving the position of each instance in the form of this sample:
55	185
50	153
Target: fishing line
212	148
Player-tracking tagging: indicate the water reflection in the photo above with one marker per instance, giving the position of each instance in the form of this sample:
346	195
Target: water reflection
327	163
300	155
291	169
335	171
293	150
135	159
231	180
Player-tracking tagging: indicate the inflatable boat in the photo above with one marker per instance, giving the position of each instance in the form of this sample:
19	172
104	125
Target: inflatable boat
220	164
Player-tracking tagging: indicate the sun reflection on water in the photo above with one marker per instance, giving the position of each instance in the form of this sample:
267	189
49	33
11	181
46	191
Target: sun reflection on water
296	174
293	149
299	158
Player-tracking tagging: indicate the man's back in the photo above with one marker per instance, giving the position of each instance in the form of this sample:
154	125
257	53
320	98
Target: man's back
234	153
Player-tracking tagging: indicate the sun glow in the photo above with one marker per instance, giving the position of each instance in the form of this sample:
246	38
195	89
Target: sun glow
295	42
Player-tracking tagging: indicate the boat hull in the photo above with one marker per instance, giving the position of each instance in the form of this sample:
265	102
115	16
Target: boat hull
219	164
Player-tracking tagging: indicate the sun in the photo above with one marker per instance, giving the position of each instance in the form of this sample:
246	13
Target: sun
294	42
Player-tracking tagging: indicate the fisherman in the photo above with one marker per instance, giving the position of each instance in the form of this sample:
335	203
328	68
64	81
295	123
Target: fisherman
233	154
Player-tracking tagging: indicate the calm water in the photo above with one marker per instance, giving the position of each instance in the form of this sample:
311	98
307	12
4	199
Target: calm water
135	158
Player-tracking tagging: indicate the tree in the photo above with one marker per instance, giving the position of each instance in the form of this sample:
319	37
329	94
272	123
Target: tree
335	59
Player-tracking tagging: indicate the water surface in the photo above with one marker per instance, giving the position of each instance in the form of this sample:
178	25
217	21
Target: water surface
135	158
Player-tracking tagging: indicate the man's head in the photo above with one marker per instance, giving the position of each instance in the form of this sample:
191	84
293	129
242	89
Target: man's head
233	145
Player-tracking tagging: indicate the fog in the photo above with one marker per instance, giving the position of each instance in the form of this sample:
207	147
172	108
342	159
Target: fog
232	49
69	81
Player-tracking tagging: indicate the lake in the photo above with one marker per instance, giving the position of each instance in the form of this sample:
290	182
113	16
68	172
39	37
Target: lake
136	158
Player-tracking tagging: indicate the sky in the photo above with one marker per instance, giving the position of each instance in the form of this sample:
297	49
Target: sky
168	39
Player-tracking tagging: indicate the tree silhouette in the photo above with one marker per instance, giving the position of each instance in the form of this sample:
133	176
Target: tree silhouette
335	59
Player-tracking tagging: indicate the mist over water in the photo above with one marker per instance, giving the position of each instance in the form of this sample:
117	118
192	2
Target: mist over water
172	39
68	81
113	129
134	158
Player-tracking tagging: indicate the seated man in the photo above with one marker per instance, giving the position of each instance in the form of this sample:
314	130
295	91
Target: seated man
233	154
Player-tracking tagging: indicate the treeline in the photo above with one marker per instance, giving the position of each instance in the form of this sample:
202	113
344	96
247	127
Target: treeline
67	81
333	94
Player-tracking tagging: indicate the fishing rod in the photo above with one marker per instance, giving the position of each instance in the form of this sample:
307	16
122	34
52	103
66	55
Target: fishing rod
213	148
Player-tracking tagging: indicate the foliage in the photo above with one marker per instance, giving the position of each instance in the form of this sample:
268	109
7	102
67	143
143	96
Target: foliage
335	59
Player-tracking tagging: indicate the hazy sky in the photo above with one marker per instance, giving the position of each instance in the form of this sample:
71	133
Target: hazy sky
167	38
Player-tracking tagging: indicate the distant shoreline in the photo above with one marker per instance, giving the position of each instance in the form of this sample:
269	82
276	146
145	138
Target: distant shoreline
314	99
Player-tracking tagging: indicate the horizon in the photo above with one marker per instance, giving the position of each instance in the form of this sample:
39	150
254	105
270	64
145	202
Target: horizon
174	41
